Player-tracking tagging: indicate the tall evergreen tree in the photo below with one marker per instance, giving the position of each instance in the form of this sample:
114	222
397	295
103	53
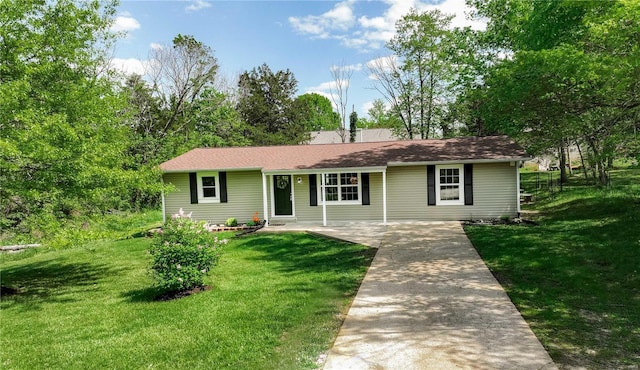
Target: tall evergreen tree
266	105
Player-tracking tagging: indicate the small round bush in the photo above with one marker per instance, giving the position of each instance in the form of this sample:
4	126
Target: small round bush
183	254
231	222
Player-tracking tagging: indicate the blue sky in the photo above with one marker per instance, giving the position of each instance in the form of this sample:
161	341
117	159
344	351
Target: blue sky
307	37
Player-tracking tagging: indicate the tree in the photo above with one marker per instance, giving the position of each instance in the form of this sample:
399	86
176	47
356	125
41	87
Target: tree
353	122
218	122
399	89
419	43
179	73
265	104
572	75
316	112
341	75
62	138
379	117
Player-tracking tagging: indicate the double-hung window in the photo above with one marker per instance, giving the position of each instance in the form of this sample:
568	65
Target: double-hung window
208	187
342	188
449	184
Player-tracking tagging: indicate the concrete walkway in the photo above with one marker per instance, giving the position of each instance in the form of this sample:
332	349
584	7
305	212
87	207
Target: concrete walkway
429	302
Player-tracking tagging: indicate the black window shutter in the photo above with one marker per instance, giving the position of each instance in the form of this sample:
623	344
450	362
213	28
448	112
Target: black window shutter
468	184
222	177
313	190
193	187
431	185
366	200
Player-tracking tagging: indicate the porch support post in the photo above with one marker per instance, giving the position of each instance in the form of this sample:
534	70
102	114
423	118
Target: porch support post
324	202
265	209
384	197
164	209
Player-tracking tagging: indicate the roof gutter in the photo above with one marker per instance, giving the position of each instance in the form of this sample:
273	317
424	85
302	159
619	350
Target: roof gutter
454	161
212	169
325	170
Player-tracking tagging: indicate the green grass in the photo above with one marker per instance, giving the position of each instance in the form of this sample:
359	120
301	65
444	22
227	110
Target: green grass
276	303
576	277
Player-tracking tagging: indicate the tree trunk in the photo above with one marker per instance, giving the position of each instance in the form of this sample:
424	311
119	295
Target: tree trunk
563	163
568	150
584	167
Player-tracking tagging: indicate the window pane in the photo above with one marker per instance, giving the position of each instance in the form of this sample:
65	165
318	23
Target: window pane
331	179
209	192
348	179
449	176
449	192
332	193
349	193
209	181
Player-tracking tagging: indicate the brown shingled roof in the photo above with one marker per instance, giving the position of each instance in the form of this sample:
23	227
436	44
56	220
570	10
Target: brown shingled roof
374	154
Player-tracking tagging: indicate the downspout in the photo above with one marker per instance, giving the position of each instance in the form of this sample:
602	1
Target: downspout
265	209
324	203
384	197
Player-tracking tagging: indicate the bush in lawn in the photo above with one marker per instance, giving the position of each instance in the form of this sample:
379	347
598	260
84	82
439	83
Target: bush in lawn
183	253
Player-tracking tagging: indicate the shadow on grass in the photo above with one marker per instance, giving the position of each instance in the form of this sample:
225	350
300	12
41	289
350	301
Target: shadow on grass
300	252
51	281
575	278
596	207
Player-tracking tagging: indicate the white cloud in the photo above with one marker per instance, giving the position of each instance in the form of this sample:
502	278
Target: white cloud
124	22
156	46
369	33
340	18
457	8
129	66
366	106
196	5
325	86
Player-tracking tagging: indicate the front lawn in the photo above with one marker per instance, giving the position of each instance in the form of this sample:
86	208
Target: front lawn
276	303
576	277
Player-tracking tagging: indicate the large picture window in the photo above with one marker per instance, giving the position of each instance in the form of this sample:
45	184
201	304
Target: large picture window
449	184
342	188
208	187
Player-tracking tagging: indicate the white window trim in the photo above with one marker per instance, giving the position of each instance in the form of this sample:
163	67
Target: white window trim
460	200
201	197
340	201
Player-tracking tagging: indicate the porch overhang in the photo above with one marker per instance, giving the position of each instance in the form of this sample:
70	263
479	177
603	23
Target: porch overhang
321	171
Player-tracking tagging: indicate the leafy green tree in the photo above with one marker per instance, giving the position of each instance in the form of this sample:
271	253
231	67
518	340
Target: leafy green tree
571	75
316	112
420	42
62	136
379	117
218	122
266	105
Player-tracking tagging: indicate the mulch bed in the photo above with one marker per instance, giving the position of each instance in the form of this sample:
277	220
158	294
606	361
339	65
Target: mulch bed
176	294
5	290
499	221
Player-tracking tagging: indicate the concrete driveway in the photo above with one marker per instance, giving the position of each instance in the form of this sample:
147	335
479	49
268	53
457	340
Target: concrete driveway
429	302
